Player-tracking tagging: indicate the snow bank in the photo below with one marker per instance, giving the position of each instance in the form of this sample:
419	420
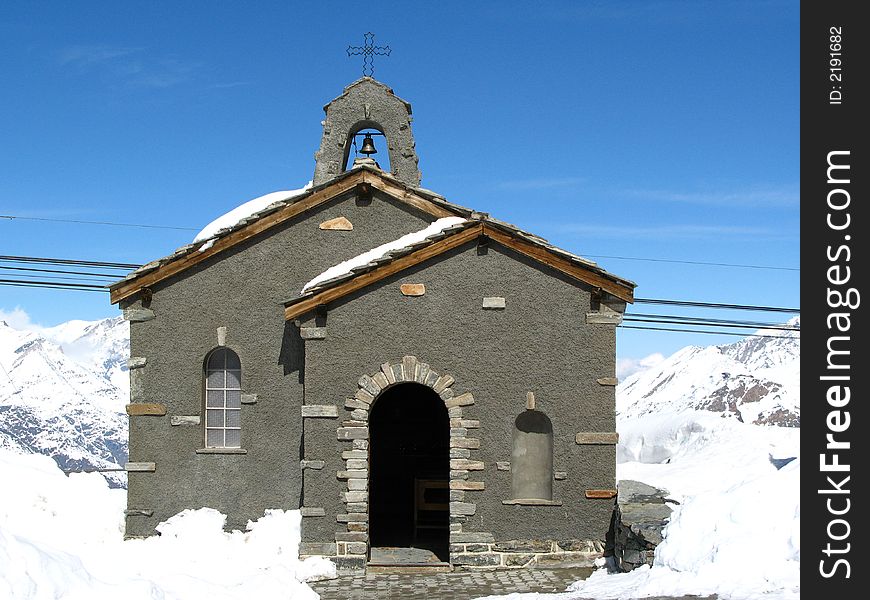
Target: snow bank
62	538
376	253
736	531
245	210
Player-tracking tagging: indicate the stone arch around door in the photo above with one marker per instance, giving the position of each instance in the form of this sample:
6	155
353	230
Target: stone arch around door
352	537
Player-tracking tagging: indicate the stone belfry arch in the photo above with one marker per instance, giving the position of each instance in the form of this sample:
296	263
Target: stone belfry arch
367	104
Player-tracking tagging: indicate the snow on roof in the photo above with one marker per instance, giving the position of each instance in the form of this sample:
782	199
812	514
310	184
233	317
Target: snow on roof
245	210
347	266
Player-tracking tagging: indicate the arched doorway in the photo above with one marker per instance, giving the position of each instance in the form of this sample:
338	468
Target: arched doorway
409	514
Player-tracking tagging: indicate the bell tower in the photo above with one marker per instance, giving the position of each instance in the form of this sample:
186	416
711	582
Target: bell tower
367	104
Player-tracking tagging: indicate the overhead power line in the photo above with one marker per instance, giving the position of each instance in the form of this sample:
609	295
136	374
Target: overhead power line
110	223
704	322
716	305
693	262
54	284
759	335
710	320
38	270
69	261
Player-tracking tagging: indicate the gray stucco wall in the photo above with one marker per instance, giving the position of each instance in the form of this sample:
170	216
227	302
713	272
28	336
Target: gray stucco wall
242	290
539	342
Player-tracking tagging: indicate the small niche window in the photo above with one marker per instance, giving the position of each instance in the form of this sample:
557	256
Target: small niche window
223	399
532	457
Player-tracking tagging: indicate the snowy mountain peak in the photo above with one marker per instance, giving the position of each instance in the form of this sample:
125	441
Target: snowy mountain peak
756	380
63	390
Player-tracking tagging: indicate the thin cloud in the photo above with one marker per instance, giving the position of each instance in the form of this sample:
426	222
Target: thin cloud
784	196
669	232
88	56
543	183
131	67
229	84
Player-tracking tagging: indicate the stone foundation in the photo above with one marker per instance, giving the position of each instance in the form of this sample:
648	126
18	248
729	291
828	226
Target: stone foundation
550	554
513	554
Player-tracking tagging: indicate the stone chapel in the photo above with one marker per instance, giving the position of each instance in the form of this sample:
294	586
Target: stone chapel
428	385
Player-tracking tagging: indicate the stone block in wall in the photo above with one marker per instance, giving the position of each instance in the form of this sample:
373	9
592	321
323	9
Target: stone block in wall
608	318
136	362
493	303
351	536
463	508
182	420
354	404
471	537
138	315
476	560
312	511
326	411
355	474
523	546
518	560
458	484
312	333
412	289
349	563
353	433
567	560
356	547
153	409
466	399
608	381
464	442
312	464
249	398
317	549
596	437
465	464
140	467
352	517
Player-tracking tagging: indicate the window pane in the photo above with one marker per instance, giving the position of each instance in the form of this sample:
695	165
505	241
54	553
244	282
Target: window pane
214	418
215	438
217	359
234	438
234	418
215	379
233	360
234	379
214	398
234	398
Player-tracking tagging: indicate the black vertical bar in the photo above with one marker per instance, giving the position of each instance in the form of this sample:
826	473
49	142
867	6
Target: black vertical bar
834	369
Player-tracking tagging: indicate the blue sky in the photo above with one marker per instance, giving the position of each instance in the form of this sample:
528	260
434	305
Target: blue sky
660	129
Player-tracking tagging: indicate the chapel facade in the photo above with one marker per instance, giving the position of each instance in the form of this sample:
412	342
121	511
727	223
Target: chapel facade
427	384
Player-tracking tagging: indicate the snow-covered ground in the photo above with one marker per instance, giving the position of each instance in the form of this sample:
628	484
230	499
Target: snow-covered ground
683	427
61	537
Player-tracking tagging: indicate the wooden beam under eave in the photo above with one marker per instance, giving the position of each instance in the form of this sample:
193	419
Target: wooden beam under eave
126	289
571	269
360	281
406	196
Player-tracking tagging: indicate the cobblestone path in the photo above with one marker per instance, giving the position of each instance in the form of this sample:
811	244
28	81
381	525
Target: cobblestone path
464	585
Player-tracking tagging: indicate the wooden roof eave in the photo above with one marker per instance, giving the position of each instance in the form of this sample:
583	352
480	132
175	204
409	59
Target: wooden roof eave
359	177
621	289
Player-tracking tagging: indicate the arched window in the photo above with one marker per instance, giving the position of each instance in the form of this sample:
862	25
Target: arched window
223	399
532	457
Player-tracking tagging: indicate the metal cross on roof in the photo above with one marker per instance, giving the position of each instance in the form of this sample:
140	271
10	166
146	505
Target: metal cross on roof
368	51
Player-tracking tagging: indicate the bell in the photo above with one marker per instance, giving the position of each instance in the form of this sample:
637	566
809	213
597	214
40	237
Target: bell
368	145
